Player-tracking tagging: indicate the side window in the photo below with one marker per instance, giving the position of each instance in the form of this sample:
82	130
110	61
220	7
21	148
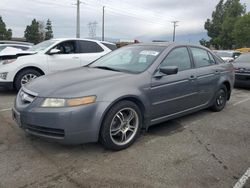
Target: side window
68	47
212	61
89	47
201	58
178	57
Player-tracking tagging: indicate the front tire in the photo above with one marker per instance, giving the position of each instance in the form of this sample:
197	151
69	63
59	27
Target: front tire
24	77
121	126
220	99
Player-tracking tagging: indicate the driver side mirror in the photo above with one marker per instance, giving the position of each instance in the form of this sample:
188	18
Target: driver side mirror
54	51
169	70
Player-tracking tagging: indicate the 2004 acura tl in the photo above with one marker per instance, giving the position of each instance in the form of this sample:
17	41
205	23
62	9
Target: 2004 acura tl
127	90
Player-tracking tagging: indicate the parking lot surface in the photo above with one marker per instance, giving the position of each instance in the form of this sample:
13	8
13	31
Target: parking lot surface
204	149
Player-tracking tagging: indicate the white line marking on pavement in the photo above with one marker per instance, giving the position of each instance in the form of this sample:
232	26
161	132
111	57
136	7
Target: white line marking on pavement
5	110
241	101
242	181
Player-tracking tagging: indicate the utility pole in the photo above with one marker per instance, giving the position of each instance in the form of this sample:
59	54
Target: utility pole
78	19
175	25
103	11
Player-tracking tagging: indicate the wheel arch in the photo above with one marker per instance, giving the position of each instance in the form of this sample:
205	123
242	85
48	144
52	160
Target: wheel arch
131	98
27	68
229	89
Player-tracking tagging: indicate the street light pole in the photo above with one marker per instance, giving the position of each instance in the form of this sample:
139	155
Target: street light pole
78	19
175	25
103	11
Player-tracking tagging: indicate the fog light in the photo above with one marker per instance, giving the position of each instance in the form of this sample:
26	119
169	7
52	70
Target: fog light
3	75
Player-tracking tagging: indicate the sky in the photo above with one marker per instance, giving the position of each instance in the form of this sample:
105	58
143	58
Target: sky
124	19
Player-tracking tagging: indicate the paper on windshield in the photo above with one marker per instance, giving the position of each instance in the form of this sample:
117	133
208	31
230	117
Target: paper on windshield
149	52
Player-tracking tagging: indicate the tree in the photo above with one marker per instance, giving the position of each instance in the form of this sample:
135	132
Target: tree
205	43
49	31
233	10
4	33
242	31
32	33
220	27
213	26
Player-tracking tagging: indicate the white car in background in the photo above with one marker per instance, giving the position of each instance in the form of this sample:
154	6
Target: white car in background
227	55
47	57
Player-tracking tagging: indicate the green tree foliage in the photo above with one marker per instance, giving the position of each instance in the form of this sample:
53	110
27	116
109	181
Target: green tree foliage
49	31
205	43
242	31
4	33
32	32
220	27
214	26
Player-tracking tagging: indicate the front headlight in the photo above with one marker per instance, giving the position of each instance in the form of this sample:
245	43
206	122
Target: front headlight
8	61
55	103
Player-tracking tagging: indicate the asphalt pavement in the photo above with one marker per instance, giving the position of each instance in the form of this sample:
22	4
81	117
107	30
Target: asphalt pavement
204	149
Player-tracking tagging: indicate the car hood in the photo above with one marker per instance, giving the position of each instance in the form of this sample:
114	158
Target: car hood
75	83
244	65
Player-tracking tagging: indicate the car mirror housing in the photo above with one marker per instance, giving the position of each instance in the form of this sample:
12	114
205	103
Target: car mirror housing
54	51
169	70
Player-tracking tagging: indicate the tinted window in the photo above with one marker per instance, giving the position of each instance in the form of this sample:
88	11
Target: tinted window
110	46
68	47
178	57
243	58
201	57
89	47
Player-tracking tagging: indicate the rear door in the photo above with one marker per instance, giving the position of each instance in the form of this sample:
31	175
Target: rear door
89	51
173	94
67	58
208	74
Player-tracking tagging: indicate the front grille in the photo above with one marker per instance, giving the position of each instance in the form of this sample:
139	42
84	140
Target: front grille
45	131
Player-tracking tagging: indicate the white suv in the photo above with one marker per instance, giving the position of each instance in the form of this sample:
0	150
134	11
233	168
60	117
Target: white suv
49	57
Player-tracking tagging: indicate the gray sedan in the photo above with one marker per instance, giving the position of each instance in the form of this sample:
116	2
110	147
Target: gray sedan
130	89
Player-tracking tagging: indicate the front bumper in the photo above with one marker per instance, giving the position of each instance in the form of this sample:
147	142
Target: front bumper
70	125
8	85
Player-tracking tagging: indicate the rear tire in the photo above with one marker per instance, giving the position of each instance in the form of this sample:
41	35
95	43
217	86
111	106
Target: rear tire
220	99
25	76
121	126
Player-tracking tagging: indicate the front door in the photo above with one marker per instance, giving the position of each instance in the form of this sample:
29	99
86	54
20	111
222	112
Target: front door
173	94
67	58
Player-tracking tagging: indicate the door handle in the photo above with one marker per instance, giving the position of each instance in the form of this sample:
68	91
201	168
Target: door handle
217	72
192	77
75	57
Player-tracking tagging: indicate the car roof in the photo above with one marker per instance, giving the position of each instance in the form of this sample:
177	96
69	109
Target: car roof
93	40
167	44
15	42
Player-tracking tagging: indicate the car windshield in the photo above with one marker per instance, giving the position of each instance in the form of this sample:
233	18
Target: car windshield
133	59
243	58
43	45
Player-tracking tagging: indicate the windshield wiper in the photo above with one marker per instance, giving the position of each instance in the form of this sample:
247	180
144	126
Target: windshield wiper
107	68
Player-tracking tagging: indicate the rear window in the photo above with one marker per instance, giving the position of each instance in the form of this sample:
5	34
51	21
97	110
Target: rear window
89	47
110	46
